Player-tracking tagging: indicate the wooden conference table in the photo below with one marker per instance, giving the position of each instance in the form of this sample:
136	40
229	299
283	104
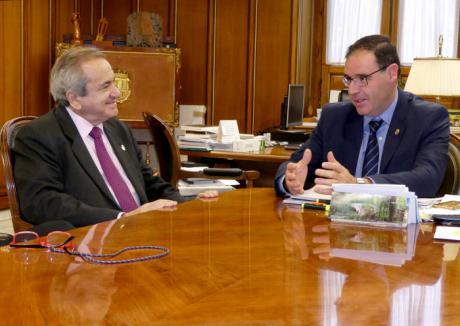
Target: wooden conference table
243	259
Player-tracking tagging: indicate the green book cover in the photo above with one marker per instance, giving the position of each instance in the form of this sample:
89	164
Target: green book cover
374	209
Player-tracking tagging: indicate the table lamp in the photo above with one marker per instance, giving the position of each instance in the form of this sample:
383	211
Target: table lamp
438	76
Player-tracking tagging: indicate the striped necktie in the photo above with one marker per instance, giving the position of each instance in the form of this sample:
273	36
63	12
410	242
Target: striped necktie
118	185
371	158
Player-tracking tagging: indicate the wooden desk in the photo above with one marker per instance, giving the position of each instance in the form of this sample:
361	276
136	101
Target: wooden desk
276	154
243	259
266	162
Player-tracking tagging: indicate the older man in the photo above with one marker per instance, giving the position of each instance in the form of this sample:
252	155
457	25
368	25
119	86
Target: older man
78	164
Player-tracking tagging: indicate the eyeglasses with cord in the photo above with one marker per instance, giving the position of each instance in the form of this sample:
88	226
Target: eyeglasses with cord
62	243
30	239
106	259
361	80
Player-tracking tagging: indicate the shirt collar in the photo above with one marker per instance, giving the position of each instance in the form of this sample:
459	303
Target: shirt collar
84	127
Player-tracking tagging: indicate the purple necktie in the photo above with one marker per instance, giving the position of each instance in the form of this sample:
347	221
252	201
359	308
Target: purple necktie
119	187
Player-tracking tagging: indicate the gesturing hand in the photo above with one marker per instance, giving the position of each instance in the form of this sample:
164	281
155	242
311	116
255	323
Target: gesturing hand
332	172
296	173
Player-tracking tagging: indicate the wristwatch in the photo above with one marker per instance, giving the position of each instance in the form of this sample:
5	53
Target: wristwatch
361	181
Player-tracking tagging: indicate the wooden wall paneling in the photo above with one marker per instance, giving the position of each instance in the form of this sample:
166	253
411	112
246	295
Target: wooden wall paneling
10	71
304	51
319	35
37	56
294	40
230	61
172	19
115	12
272	61
210	64
10	60
192	39
325	80
335	78
164	8
251	65
386	27
391	6
89	16
62	19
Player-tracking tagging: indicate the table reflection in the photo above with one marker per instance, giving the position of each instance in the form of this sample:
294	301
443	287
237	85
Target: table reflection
83	292
390	277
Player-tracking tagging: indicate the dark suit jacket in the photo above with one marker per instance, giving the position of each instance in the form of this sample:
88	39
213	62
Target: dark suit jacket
56	178
415	150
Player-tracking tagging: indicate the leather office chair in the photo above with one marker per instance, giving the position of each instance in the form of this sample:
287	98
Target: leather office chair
169	158
7	135
451	182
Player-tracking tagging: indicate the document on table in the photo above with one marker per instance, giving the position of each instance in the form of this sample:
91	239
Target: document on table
447	233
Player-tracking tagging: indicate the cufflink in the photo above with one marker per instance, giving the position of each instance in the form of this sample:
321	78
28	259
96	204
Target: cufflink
361	181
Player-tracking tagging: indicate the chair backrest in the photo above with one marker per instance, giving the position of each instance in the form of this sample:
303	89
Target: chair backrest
7	136
451	182
169	162
168	155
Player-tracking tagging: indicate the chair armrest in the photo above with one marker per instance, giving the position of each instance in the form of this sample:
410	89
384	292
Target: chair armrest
188	164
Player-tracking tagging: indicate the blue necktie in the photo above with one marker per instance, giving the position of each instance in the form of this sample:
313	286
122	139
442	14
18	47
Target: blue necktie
119	187
371	158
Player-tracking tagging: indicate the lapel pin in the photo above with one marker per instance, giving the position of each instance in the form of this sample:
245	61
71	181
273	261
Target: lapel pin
397	132
123	148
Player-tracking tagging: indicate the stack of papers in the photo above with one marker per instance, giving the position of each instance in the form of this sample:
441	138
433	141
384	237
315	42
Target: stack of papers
193	186
447	233
375	204
207	142
198	142
447	205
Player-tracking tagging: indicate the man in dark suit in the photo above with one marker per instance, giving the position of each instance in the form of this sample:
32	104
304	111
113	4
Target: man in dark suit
59	173
412	135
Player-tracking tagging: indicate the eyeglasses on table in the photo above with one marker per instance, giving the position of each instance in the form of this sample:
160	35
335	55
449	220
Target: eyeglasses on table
62	242
30	239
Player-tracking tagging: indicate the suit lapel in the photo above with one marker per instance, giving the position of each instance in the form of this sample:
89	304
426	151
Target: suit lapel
80	151
353	135
396	130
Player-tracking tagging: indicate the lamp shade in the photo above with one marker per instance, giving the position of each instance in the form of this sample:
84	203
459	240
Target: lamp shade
434	76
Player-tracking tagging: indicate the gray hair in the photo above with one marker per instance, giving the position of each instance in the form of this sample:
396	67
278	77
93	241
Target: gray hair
67	73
